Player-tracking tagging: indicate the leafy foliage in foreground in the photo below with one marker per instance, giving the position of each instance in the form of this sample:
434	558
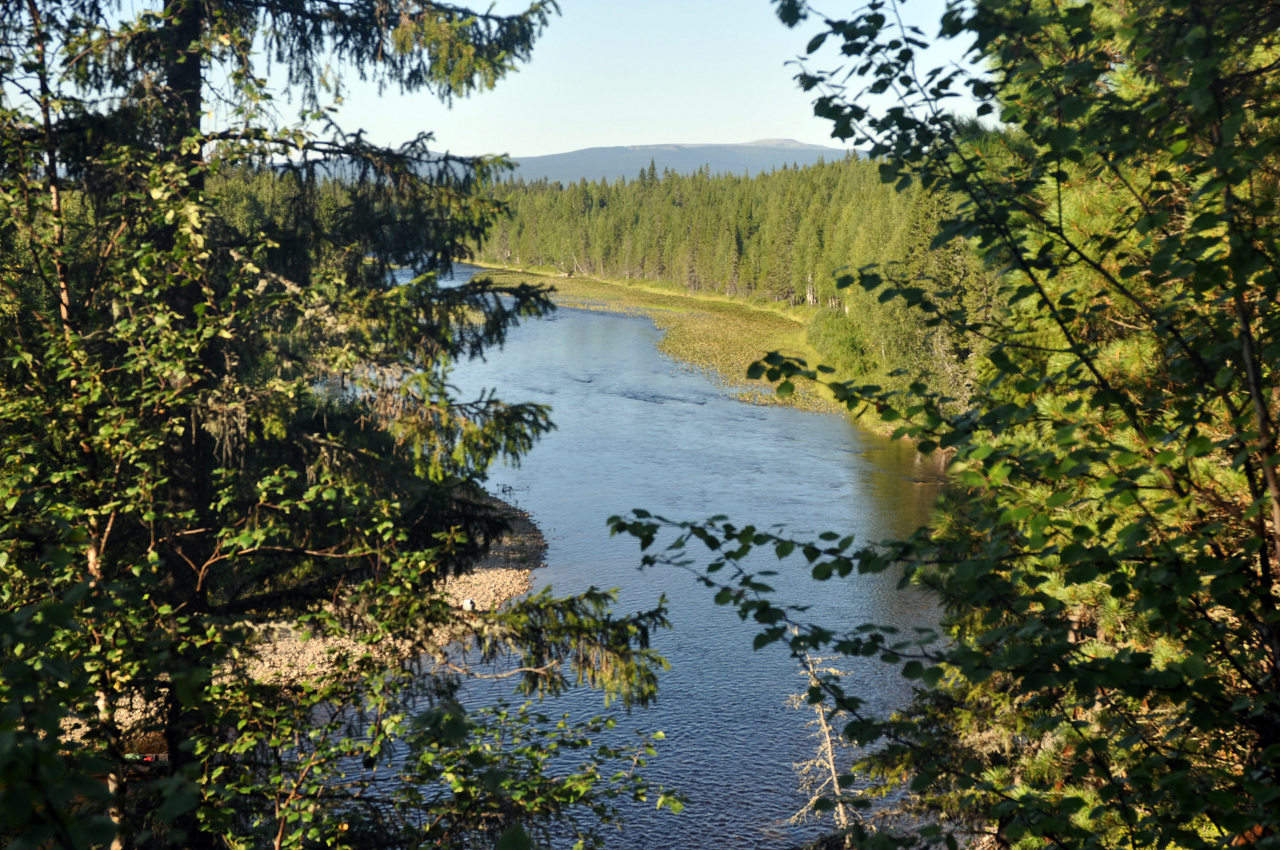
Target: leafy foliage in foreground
223	413
1109	553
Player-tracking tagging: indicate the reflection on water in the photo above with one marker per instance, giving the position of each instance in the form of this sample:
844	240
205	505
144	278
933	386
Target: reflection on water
636	430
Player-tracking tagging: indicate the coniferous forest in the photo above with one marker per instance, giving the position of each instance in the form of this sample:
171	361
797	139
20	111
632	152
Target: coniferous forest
788	236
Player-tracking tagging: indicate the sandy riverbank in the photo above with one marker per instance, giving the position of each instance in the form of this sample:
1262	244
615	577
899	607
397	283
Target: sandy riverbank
505	573
286	655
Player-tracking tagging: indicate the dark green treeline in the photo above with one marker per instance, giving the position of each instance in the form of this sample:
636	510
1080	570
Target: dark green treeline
785	237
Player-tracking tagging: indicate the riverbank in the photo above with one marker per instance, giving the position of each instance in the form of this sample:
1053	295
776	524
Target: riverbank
711	332
285	655
503	574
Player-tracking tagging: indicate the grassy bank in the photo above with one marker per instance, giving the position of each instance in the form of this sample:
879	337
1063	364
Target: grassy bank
718	335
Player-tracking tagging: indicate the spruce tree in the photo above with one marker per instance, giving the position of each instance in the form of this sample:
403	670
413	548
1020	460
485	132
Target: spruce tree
224	413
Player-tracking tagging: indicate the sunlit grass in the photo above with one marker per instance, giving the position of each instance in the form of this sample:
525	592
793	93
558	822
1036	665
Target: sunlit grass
714	334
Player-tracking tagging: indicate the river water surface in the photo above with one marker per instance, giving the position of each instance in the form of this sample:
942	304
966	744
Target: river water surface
635	429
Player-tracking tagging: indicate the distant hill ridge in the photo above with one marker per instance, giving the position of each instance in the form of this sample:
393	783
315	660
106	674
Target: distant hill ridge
611	163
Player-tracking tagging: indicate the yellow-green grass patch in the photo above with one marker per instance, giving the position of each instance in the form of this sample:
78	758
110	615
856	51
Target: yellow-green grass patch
712	333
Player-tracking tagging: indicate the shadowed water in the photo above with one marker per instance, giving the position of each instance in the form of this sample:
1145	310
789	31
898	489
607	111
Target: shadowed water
638	430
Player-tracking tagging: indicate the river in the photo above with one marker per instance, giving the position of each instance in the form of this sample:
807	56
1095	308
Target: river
635	429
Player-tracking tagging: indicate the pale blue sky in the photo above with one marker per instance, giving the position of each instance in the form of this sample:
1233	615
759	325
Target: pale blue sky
629	72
